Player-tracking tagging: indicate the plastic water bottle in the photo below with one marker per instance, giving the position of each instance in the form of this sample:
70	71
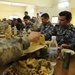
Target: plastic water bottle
53	42
24	32
15	30
53	50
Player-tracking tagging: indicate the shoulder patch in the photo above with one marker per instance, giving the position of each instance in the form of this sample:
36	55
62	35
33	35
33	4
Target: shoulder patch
72	27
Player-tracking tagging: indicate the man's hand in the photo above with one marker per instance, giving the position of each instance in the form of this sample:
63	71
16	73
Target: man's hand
65	46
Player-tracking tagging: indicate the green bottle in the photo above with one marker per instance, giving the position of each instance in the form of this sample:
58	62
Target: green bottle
66	59
43	53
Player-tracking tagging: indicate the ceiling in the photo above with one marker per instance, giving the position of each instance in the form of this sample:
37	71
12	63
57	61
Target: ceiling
45	3
33	2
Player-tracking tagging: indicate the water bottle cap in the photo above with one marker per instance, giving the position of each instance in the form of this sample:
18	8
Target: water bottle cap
53	37
24	29
59	49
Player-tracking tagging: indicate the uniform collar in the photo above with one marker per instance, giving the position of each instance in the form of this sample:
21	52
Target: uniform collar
49	23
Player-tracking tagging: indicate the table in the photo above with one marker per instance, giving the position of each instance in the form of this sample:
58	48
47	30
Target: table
58	70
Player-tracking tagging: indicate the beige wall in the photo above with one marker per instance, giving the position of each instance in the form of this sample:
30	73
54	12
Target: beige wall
52	11
8	10
73	15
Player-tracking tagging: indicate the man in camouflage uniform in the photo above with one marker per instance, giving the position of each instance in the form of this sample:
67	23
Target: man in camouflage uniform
64	31
45	27
28	23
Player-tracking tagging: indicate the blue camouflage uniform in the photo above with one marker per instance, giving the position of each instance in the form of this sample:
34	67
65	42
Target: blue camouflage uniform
28	26
72	45
45	30
64	35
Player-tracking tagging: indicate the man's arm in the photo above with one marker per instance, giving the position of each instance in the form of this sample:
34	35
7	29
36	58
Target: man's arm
71	45
38	29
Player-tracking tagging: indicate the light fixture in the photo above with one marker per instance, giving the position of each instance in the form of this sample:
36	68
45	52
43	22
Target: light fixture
3	2
31	11
12	3
18	4
63	4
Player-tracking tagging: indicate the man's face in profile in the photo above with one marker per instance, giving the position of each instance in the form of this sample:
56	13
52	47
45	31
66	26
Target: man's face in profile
26	21
44	20
63	21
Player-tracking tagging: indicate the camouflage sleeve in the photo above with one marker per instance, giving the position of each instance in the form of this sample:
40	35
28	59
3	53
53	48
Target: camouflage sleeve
47	36
11	49
38	29
48	33
54	30
72	44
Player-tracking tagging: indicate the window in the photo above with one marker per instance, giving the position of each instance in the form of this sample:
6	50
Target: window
54	19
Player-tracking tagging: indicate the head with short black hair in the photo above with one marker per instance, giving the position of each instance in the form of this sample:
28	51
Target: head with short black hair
19	20
14	19
26	19
26	13
67	14
45	15
37	13
45	18
65	18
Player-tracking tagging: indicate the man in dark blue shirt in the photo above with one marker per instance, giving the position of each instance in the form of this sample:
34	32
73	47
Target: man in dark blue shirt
28	23
45	27
64	31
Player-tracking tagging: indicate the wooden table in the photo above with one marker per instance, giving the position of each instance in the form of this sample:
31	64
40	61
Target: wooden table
58	70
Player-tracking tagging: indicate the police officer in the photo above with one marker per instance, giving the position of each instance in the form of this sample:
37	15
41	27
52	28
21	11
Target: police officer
45	27
28	23
64	31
